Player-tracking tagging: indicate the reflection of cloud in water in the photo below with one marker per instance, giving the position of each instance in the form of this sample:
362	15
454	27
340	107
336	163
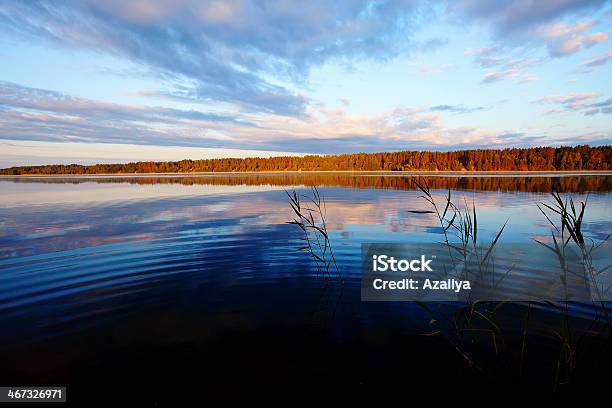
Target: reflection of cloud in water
14	194
355	215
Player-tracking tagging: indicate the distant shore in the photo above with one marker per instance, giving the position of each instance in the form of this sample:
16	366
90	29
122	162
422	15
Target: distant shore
512	161
511	173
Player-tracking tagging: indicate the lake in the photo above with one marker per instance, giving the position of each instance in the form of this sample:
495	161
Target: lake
144	283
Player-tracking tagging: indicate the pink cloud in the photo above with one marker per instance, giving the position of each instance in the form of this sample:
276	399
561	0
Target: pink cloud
566	39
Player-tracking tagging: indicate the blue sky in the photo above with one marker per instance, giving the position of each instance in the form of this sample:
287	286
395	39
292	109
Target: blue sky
85	81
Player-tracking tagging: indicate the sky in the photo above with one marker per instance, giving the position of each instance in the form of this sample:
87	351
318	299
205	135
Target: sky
87	81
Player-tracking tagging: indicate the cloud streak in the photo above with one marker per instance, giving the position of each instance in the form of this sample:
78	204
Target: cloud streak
222	51
21	97
587	103
502	66
39	114
44	115
520	18
590	64
456	108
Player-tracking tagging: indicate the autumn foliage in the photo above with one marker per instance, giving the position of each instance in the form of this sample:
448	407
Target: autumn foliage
515	159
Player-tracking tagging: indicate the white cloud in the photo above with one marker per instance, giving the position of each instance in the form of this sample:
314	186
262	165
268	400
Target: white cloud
499	75
595	38
587	103
507	66
566	39
44	116
227	52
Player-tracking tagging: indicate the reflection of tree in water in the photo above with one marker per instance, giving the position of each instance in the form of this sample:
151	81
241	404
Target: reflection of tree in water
542	184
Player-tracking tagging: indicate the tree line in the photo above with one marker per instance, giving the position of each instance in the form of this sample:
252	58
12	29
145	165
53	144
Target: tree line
511	159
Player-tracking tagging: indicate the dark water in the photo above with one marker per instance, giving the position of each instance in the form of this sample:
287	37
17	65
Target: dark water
144	284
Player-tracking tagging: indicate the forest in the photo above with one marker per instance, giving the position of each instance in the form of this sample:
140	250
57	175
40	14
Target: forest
510	159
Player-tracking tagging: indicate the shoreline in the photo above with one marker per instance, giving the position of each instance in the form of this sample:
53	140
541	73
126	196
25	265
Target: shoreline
502	173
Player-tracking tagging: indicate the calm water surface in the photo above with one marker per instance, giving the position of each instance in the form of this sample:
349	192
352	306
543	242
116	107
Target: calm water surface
153	281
